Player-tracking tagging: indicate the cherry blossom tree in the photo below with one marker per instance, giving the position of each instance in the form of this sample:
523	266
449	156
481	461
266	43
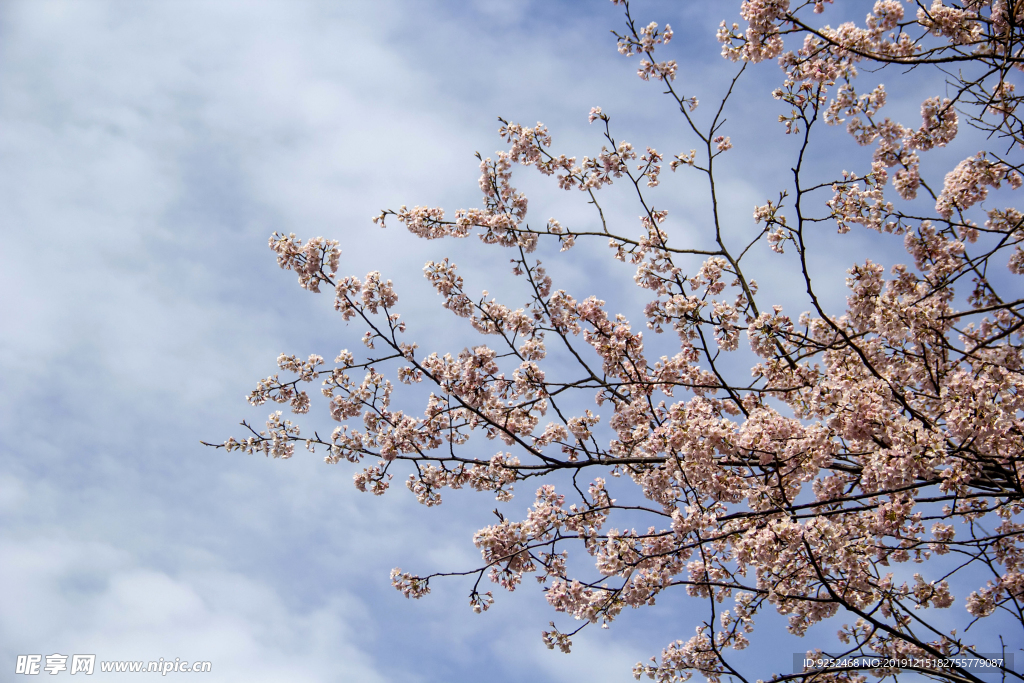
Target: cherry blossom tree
867	470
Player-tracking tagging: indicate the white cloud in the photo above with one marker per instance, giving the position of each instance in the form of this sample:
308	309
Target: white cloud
79	598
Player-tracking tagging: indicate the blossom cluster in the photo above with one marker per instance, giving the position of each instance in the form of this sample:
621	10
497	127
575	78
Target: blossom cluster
860	441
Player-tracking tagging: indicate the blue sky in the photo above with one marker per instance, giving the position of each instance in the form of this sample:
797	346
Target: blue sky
147	150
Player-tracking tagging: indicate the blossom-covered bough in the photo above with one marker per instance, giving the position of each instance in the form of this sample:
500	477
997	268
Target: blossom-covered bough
870	473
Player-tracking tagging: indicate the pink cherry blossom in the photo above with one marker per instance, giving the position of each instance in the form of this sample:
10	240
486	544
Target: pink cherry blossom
863	439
